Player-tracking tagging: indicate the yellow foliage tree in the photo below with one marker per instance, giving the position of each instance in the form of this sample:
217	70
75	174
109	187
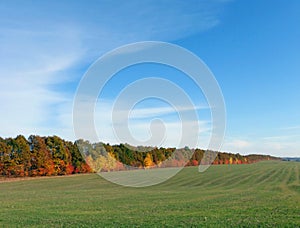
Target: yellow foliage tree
89	160
111	161
100	163
148	160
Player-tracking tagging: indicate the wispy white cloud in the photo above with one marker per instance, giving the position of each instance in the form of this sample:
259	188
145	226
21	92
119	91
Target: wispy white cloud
42	48
237	144
159	111
296	127
159	122
281	137
27	70
284	145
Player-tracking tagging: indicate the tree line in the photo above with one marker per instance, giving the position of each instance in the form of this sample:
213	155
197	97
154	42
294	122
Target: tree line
40	156
106	157
52	155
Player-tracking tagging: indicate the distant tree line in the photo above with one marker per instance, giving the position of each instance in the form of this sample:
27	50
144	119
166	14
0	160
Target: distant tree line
105	157
51	156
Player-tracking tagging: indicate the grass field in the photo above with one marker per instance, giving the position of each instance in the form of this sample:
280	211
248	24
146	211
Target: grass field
265	194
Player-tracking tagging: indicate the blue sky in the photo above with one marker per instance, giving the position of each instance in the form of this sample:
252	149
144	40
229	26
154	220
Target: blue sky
252	47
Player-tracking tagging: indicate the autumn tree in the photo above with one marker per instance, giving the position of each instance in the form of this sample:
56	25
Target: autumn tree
148	161
41	159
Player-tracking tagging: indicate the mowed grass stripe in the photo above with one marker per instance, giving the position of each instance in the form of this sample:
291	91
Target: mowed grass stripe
297	170
266	178
235	175
286	185
293	179
268	175
274	179
230	179
260	177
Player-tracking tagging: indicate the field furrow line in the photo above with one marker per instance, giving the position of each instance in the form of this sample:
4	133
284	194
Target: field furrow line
271	178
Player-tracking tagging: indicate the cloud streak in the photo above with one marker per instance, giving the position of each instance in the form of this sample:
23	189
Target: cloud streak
282	146
147	122
142	113
45	46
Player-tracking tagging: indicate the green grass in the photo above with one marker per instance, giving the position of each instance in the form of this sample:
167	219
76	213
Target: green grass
265	194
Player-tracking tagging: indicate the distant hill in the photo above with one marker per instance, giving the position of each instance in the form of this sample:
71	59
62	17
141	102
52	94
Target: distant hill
297	159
